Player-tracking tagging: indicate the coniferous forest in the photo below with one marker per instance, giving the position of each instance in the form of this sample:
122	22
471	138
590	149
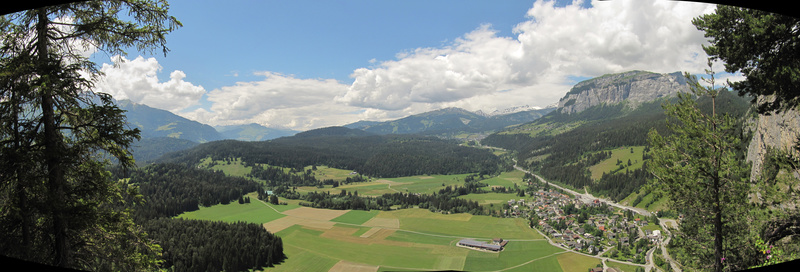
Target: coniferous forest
567	156
194	245
383	156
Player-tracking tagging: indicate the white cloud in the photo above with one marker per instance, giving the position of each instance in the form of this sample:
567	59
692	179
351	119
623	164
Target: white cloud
137	80
278	99
479	71
479	63
556	42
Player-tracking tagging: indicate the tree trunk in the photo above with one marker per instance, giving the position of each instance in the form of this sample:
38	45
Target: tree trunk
717	228
53	144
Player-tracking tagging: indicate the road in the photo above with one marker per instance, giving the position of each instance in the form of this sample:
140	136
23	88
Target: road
586	197
603	259
675	266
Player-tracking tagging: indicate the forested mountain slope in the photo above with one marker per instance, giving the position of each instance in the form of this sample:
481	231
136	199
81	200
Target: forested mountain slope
155	123
564	145
450	122
339	147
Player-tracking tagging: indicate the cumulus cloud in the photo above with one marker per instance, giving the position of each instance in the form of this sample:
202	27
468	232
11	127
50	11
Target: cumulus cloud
616	36
556	42
478	63
273	100
137	81
478	71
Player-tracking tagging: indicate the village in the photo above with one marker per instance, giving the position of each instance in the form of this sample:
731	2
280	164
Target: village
589	227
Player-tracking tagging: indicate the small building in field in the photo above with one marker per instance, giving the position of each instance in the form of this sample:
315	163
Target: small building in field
480	245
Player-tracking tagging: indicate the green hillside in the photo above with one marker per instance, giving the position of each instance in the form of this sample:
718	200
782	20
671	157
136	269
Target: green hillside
577	149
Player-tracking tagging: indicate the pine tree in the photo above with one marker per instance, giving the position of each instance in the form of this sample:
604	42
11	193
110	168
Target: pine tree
51	115
698	165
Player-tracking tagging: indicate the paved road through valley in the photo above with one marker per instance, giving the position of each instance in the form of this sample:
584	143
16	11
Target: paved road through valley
586	197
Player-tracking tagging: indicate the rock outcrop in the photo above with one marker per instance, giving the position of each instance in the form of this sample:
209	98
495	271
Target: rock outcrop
634	87
778	131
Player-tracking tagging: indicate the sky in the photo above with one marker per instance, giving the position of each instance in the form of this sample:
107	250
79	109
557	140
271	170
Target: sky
306	64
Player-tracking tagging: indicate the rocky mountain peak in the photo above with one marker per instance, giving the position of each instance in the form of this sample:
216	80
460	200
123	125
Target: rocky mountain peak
633	86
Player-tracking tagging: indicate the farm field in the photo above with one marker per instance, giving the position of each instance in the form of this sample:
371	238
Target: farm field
506	179
575	262
495	201
648	202
233	168
409	239
414	184
621	266
399	240
622	154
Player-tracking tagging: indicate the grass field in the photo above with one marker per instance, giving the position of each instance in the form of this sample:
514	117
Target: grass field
506	179
621	266
657	204
415	184
234	168
324	172
355	217
400	240
493	201
573	262
622	154
253	212
409	239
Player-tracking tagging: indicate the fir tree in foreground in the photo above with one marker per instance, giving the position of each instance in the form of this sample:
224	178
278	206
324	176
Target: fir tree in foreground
698	163
59	205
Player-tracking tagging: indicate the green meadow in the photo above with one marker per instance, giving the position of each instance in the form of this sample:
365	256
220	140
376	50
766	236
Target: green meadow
232	168
356	217
619	154
495	201
621	266
650	201
416	184
506	179
422	241
253	212
399	240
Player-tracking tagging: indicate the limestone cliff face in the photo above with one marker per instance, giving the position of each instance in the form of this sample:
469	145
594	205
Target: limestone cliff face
779	131
634	87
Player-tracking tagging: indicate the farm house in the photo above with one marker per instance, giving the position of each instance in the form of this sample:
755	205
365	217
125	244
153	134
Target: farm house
479	245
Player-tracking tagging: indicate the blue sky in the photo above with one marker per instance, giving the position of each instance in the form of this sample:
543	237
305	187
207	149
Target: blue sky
310	64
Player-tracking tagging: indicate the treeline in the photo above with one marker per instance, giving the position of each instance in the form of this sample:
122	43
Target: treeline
193	245
373	155
619	185
445	201
279	177
172	189
566	157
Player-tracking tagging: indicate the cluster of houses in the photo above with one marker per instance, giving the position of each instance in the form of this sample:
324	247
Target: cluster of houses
548	206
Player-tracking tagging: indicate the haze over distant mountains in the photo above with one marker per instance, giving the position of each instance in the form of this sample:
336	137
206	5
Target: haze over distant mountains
452	122
163	131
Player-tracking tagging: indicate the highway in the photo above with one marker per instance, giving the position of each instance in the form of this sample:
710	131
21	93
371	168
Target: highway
586	197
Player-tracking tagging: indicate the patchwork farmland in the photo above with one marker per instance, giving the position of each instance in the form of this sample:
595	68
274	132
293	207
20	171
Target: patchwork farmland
399	240
408	239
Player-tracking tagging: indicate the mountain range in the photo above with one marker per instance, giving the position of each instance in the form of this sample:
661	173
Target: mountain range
163	131
451	122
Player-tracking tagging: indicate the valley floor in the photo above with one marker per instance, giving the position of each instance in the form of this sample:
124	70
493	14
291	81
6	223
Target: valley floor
409	239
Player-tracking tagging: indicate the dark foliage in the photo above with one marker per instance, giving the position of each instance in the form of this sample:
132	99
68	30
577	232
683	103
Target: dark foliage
188	245
372	155
171	189
195	245
605	127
